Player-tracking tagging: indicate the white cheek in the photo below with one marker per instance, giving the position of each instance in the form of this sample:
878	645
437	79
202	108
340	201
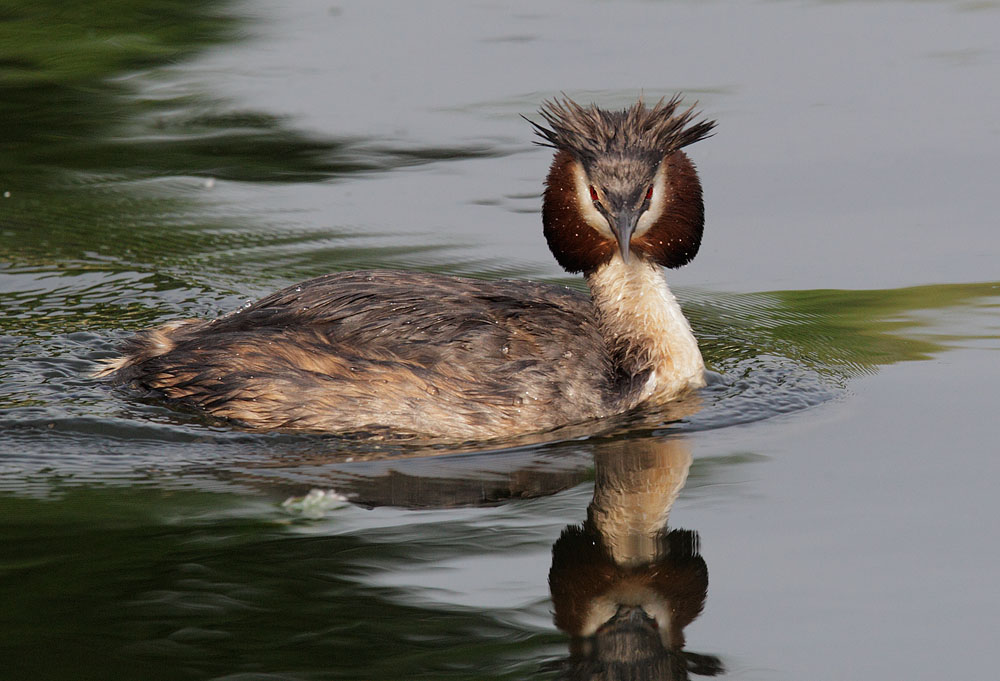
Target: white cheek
657	204
601	610
590	214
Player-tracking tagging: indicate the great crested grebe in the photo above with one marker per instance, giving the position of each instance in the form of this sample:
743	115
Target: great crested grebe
414	354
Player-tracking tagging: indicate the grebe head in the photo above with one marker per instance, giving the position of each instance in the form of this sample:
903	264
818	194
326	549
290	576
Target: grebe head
620	185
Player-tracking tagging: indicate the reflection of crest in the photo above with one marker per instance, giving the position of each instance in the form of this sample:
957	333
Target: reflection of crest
623	585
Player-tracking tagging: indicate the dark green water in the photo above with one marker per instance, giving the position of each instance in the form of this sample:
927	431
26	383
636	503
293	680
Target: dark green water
162	160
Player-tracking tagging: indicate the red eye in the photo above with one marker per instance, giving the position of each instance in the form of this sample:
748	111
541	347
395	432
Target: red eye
593	194
649	193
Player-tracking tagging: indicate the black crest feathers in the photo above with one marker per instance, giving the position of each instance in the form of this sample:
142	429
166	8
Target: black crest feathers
590	132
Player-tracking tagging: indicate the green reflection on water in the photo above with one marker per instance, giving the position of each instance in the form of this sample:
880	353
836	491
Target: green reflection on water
61	69
98	172
50	42
841	332
148	584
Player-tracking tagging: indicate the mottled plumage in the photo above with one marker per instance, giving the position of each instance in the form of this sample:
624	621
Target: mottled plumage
383	352
370	351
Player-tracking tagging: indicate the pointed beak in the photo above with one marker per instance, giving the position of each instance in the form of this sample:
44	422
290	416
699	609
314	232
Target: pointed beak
623	226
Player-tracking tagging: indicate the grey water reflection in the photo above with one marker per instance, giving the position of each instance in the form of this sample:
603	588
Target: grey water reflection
624	585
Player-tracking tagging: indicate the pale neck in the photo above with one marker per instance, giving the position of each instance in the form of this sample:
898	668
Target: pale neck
635	484
645	328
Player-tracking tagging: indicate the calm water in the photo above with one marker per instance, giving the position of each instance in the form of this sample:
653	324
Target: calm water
821	511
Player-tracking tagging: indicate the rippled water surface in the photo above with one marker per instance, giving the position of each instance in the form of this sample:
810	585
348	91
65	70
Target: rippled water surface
821	510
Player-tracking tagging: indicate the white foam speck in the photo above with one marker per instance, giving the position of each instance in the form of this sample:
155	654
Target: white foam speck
316	503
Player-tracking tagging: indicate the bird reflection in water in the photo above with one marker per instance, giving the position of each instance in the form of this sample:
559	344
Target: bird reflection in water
623	585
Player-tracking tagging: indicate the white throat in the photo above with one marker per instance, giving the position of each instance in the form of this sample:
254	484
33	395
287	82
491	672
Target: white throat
643	324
